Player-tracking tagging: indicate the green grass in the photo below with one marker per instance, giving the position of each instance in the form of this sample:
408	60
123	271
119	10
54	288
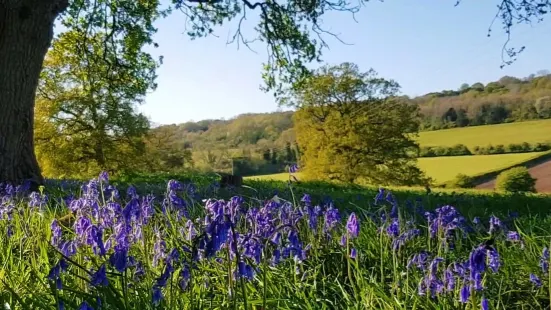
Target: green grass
443	169
531	132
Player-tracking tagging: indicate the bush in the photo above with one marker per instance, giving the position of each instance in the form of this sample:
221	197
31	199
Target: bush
462	181
516	179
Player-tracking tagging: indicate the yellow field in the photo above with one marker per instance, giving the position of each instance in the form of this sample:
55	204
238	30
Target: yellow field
443	169
531	132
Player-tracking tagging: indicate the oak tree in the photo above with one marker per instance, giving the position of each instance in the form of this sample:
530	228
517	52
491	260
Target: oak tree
351	127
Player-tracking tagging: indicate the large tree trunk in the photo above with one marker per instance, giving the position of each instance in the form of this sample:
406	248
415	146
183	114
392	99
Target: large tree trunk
26	31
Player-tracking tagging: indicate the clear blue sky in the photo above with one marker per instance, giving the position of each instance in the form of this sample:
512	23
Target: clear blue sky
425	45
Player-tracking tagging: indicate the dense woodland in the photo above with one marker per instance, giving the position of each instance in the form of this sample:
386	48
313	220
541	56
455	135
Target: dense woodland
270	137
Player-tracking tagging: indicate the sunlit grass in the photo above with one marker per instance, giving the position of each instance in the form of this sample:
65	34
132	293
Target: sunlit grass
519	132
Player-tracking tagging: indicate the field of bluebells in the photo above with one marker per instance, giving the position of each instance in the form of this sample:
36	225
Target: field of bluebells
194	245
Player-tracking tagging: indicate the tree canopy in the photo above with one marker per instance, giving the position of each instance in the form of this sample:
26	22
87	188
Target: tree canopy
351	128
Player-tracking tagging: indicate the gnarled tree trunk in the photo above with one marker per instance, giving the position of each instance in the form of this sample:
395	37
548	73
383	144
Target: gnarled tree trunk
26	31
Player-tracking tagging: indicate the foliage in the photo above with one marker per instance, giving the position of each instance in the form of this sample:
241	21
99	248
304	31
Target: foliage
259	132
462	181
456	150
462	150
173	262
349	129
516	179
85	111
513	148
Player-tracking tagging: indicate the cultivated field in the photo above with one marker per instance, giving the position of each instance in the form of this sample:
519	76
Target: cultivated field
443	169
531	132
446	168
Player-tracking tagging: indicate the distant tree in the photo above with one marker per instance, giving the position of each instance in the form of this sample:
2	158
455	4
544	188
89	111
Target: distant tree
462	119
478	86
464	87
543	72
350	129
89	108
516	179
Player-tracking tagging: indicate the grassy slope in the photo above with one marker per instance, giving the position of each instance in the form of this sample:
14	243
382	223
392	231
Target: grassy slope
443	169
531	132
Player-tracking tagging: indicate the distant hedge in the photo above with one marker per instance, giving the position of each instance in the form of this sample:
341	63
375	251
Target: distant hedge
436	151
462	150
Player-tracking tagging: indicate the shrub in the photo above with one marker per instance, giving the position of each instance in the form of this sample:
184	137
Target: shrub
516	179
459	150
462	181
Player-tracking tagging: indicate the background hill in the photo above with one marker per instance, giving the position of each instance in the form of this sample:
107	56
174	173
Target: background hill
267	140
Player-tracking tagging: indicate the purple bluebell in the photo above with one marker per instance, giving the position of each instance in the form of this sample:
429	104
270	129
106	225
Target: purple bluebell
119	259
157	295
419	260
495	224
449	280
393	230
484	304
99	278
353	253
185	277
245	270
104	177
477	282
380	196
306	199
544	260
85	306
477	261
494	262
465	293
513	236
535	280
352	226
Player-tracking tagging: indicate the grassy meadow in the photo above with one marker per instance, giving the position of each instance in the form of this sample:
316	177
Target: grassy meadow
446	168
185	243
519	132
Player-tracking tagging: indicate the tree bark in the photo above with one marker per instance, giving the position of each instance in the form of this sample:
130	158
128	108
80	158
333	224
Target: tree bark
26	31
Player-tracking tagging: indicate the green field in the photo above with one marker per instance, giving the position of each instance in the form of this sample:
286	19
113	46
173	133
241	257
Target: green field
443	169
531	132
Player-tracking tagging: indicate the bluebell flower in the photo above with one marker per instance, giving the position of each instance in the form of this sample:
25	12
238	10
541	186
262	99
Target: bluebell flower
380	196
393	230
99	278
513	236
494	262
85	306
465	293
484	304
495	224
104	177
352	226
535	280
353	253
119	259
185	276
306	199
449	280
157	295
477	261
331	217
544	260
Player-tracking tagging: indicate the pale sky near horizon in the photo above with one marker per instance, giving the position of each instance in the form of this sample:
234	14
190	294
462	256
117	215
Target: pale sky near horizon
427	46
